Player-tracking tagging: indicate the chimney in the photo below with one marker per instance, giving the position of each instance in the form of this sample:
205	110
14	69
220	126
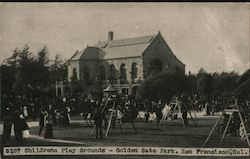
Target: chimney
110	36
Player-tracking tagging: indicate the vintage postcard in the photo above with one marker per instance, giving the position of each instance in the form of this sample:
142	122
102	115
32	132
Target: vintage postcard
125	80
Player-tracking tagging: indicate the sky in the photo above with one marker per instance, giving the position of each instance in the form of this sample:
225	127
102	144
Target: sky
213	36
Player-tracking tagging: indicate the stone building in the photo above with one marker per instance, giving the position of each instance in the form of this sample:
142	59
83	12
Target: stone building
124	63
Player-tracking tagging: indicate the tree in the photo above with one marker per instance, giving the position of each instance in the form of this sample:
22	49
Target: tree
191	86
205	84
243	82
58	69
41	69
29	74
224	83
162	86
42	56
22	61
245	76
7	79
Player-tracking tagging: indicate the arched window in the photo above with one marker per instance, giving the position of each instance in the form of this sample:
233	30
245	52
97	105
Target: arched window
134	71
102	73
123	76
74	75
85	72
112	75
155	66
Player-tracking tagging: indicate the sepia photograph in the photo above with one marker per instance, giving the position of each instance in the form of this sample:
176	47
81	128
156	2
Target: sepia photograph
124	80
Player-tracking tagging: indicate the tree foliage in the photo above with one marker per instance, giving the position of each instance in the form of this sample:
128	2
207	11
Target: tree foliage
205	84
165	85
162	86
26	73
58	69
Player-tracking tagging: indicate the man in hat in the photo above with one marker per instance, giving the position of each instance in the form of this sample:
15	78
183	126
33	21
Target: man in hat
183	108
18	126
158	111
98	117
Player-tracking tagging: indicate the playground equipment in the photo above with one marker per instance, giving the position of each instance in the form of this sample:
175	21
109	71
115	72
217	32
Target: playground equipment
113	112
236	109
175	109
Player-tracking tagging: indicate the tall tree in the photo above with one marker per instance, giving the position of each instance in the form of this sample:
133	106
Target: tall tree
41	68
42	56
23	60
205	84
58	69
162	86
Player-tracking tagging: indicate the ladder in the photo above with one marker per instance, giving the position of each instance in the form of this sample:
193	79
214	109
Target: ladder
176	108
173	105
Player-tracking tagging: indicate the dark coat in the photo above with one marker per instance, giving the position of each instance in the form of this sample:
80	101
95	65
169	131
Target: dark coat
98	117
24	125
43	115
7	127
18	127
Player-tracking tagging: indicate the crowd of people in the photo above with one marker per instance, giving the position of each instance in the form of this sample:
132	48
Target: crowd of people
58	111
20	109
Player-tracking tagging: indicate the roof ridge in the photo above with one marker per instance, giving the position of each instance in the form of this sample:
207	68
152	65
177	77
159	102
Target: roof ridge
95	47
131	41
135	37
108	43
153	35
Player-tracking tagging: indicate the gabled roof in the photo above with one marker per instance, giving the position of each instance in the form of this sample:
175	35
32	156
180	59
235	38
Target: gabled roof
77	55
120	48
90	53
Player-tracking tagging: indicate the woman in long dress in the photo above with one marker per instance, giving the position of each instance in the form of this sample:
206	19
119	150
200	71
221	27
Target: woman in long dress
18	126
7	127
24	127
42	121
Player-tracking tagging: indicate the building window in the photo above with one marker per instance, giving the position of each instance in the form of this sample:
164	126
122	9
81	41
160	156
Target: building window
134	71
123	76
74	75
112	76
102	73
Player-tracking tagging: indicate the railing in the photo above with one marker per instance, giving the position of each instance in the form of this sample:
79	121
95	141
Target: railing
121	82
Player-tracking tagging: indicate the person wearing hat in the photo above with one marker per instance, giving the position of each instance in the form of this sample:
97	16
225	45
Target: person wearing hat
43	118
18	126
158	111
24	126
183	109
7	127
98	117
